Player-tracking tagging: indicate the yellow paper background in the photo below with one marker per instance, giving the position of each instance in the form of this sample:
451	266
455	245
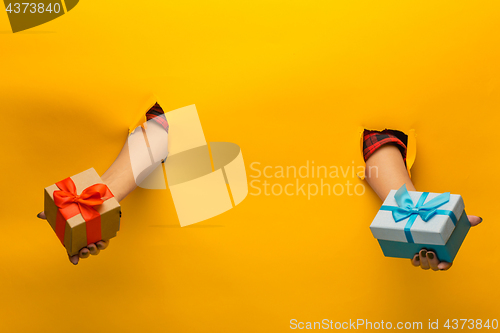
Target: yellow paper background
289	82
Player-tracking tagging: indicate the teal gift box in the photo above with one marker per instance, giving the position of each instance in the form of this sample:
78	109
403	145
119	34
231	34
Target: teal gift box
409	221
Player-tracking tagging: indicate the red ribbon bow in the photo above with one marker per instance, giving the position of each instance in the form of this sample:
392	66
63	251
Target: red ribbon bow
71	204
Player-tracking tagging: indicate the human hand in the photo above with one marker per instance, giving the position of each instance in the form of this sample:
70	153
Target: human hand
91	249
428	259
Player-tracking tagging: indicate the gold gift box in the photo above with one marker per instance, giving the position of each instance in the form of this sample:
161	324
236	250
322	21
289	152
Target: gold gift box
75	230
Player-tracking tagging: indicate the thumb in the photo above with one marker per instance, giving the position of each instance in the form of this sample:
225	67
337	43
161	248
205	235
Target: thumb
474	220
42	216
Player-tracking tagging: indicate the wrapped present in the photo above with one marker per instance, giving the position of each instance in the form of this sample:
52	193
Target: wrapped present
82	210
410	221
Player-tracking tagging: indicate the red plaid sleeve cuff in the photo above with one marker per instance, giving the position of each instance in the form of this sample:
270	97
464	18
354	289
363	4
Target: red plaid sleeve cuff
373	140
156	113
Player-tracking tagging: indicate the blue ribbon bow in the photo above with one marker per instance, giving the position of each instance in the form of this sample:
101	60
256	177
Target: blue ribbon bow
407	209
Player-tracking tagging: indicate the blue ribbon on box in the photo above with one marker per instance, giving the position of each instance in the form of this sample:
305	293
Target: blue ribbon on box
427	211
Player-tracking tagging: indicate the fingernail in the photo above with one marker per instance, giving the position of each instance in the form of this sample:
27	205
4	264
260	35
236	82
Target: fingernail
417	258
39	215
424	253
481	219
85	253
99	246
430	256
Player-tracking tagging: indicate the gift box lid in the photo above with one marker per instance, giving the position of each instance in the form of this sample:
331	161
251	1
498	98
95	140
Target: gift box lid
413	229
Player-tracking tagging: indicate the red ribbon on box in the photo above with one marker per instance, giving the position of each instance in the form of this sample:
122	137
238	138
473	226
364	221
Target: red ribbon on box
71	204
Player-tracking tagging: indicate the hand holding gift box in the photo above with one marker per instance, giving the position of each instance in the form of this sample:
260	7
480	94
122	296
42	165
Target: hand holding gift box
410	221
71	206
82	211
385	155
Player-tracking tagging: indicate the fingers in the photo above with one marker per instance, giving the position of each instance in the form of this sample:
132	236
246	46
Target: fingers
416	260
444	266
429	260
433	260
103	244
424	263
42	216
93	249
74	259
474	220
